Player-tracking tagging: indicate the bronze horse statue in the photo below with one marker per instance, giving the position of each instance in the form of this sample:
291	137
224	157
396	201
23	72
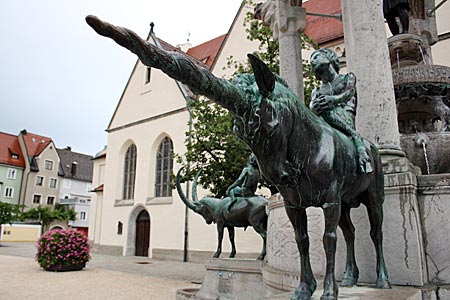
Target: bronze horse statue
249	211
309	162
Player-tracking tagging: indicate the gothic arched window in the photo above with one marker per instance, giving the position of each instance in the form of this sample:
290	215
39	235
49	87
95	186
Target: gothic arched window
164	165
129	173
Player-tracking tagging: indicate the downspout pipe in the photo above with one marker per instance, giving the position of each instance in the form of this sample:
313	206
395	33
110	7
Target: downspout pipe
188	99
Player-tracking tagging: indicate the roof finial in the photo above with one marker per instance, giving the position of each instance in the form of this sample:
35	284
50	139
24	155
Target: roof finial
151	27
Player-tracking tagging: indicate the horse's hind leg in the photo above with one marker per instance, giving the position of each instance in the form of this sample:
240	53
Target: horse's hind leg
351	270
376	222
261	229
307	284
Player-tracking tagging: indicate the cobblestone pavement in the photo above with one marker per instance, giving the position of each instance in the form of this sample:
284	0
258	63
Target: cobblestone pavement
105	277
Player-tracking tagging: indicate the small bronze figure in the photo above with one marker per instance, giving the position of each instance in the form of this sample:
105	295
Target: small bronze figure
393	9
247	183
249	211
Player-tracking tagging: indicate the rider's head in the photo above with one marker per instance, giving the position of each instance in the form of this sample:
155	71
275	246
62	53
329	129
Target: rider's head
252	160
328	54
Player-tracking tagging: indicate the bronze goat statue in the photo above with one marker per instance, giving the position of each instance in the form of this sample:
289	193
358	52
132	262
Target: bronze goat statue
309	162
249	211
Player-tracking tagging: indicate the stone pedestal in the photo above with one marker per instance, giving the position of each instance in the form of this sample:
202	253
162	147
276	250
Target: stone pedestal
434	203
282	269
229	279
403	242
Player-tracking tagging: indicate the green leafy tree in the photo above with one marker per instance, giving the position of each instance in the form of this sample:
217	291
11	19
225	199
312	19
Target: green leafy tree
9	213
212	147
46	215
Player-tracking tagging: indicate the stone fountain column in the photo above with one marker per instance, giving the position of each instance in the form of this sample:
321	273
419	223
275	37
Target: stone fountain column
368	57
287	20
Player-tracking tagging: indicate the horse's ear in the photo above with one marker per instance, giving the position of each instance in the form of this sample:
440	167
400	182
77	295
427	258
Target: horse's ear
265	79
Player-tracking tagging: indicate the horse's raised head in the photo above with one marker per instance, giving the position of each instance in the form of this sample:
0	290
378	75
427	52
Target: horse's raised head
264	78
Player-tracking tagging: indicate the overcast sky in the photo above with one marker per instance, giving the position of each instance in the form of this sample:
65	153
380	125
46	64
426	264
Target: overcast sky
58	78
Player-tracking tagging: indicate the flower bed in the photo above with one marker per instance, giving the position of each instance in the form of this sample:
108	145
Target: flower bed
63	250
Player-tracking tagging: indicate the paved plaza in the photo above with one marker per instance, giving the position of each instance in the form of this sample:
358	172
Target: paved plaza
105	277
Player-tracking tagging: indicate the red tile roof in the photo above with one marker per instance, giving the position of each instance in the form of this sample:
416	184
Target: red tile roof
322	29
9	144
207	52
35	143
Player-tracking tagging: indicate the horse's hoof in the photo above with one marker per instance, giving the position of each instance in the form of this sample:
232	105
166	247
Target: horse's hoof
304	292
303	295
349	282
261	257
383	284
328	298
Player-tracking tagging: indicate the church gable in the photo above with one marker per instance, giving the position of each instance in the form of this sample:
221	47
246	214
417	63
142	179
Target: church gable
235	44
148	93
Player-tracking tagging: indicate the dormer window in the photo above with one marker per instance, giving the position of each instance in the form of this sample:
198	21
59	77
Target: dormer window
48	165
14	156
148	75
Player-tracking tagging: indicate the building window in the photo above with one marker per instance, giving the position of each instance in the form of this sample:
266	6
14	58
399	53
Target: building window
48	165
164	165
39	180
148	75
14	156
119	227
66	196
129	173
9	192
37	199
66	183
52	183
82	216
50	200
11	173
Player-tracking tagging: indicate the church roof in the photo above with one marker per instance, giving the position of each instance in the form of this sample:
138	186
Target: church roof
322	29
207	52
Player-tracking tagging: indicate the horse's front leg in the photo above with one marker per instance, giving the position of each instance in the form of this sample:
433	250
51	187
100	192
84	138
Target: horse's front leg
332	214
351	269
233	246
220	228
307	284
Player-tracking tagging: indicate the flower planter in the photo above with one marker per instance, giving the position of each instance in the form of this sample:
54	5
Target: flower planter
77	267
63	250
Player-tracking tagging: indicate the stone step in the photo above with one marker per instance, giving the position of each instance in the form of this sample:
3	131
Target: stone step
365	293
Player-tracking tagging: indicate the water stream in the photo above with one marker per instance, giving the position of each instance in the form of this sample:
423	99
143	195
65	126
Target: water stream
422	140
424	146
